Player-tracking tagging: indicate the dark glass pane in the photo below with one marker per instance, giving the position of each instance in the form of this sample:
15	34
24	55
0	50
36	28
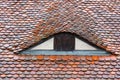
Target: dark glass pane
64	42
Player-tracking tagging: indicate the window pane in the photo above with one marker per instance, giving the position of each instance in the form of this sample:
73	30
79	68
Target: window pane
47	45
64	42
81	45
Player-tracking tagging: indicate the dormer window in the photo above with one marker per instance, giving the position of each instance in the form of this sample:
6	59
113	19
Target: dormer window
65	44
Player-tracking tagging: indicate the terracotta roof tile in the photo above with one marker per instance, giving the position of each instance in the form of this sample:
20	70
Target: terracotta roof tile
25	22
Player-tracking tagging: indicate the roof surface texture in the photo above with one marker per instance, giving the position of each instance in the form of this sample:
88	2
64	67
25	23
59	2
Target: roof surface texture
25	22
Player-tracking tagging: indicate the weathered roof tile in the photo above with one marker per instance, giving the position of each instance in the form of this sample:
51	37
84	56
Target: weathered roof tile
25	22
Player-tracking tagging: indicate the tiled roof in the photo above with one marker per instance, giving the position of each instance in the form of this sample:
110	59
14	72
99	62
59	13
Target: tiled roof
24	67
26	22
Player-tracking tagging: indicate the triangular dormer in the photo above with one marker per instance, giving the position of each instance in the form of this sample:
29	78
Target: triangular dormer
64	44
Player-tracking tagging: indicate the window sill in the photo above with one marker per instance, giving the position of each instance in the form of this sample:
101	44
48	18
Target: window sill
75	52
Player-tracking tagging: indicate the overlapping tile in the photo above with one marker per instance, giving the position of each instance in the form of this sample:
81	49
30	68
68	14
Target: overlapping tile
23	23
